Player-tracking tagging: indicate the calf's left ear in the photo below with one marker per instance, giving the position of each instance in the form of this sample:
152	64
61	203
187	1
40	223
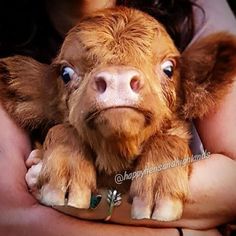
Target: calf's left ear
208	70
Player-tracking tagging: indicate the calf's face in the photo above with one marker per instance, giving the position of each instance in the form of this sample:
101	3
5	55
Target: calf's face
121	74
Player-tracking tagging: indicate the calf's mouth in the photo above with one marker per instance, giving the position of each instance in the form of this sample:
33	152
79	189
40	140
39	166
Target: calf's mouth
119	121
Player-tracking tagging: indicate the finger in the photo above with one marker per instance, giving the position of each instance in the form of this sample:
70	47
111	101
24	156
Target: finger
34	158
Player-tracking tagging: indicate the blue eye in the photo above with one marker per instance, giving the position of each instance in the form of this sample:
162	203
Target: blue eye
168	68
67	74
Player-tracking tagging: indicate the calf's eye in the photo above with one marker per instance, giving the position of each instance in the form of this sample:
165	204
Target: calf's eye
168	68
67	74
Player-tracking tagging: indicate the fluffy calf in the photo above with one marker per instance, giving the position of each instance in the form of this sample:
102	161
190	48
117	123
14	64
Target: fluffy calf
117	98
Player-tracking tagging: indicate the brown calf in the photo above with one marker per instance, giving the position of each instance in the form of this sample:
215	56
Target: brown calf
117	98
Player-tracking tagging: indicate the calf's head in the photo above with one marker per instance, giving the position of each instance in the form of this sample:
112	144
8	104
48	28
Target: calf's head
121	70
118	79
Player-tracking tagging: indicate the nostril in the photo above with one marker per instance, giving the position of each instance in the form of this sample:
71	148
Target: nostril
135	84
101	84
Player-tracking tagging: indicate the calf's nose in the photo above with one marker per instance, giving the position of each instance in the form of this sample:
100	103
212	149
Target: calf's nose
123	81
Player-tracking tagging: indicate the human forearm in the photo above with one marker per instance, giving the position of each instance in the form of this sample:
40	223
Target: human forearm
38	221
212	187
212	196
211	203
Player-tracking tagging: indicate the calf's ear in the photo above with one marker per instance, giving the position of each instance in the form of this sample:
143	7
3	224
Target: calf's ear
208	70
27	92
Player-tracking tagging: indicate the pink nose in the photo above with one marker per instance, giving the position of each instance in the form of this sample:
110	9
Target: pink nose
118	80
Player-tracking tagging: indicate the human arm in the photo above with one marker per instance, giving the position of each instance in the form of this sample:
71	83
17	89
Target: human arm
211	202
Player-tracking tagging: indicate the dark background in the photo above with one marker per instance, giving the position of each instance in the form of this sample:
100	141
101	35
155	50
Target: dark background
36	38
232	3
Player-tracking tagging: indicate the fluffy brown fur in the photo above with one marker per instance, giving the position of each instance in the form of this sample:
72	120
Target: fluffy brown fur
95	138
207	73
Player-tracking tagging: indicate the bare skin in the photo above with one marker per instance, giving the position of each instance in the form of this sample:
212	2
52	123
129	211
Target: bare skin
217	135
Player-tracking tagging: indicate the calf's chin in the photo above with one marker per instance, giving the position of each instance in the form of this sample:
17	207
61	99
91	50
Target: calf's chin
119	123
